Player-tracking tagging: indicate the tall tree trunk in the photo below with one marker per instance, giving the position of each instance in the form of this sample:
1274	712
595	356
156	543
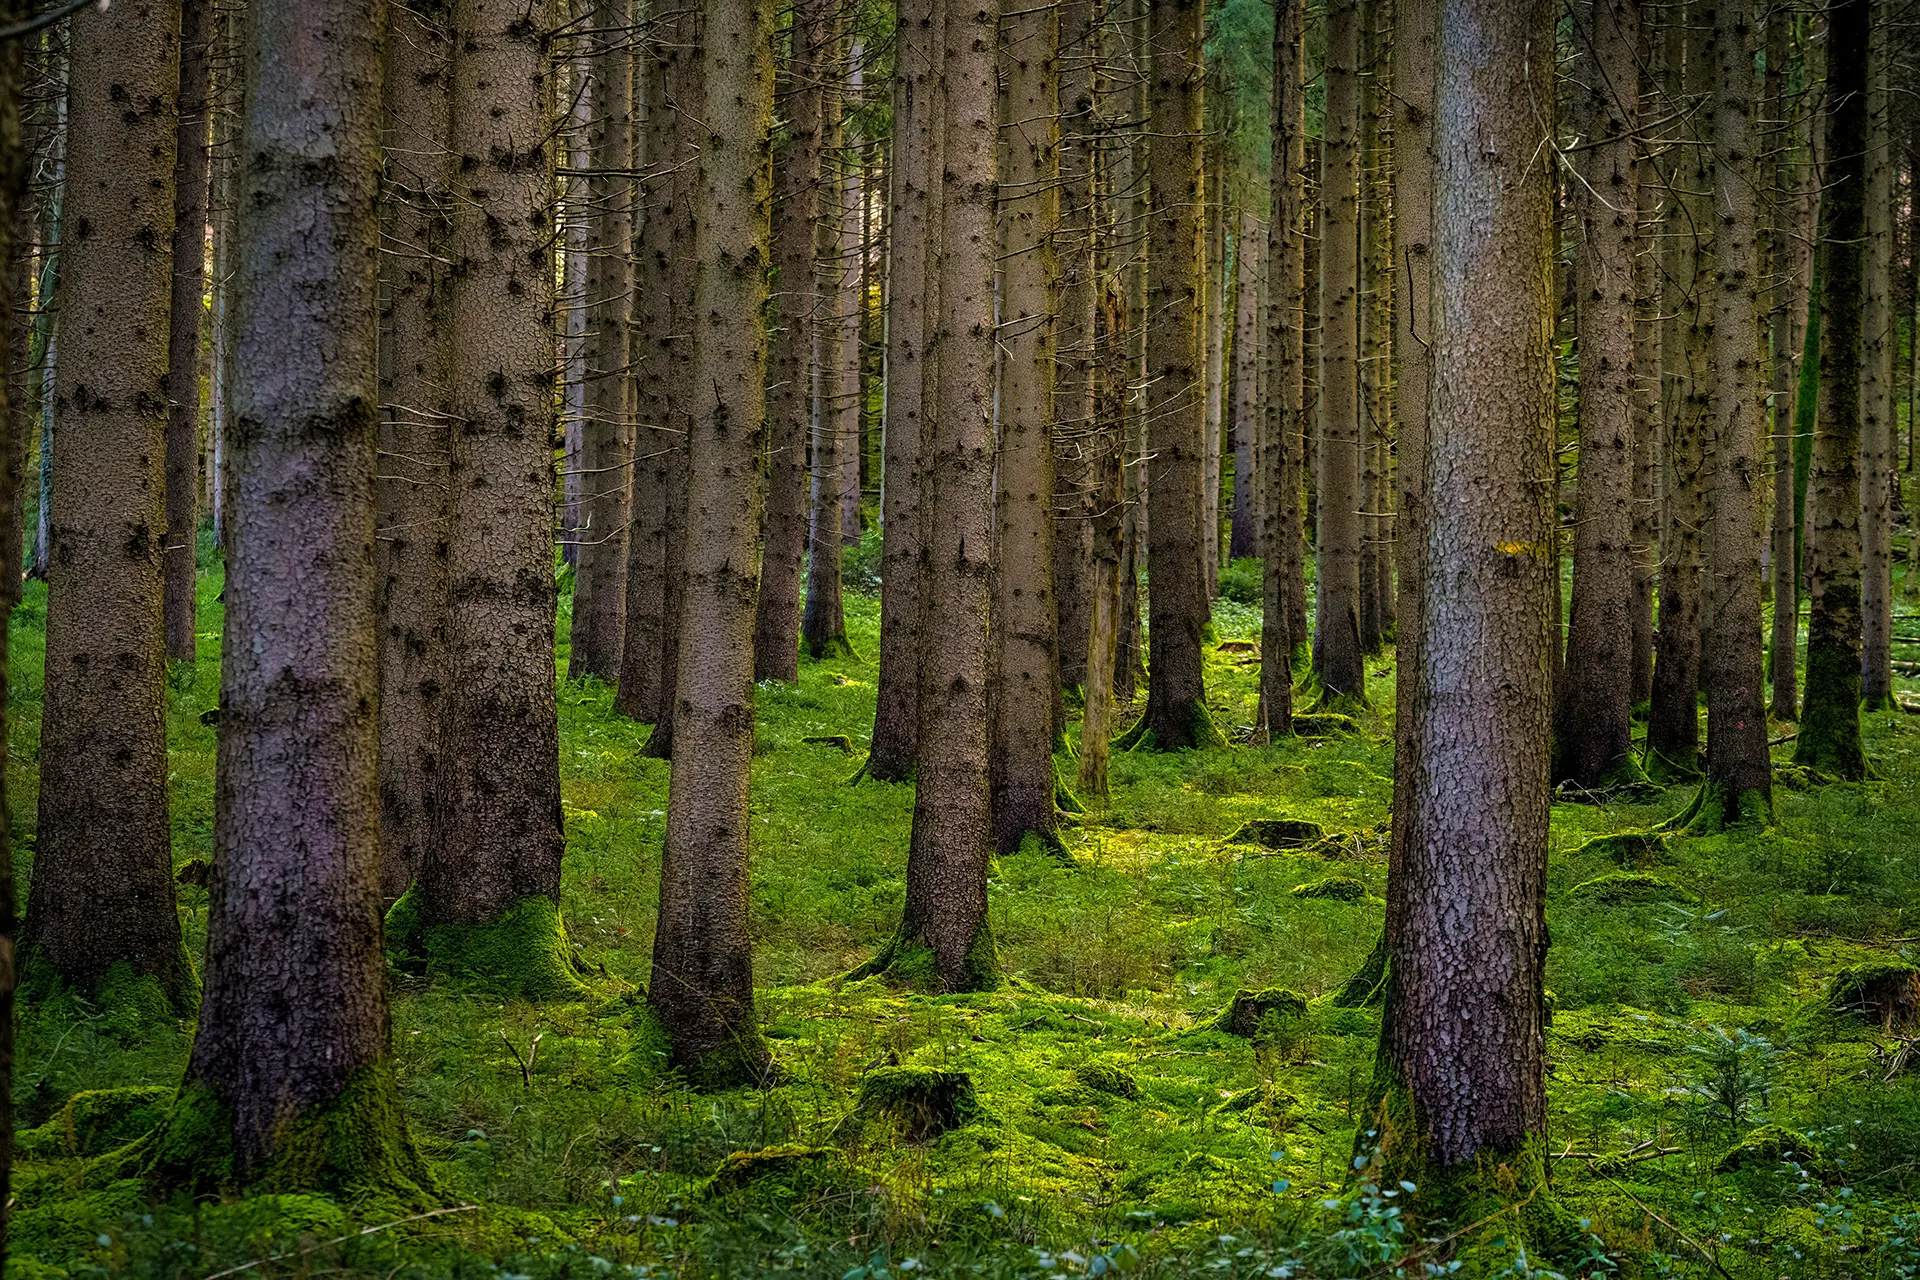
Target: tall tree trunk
1783	647
1245	538
1025	615
796	196
186	310
571	75
291	1065
1130	193
1647	404
1076	452
1593	725
910	324
1214	214
702	986
850	406
1461	1068
229	95
944	934
13	198
1739	775
1374	363
1110	443
486	905
1284	419
1177	714
1339	650
100	910
1879	422
412	504
605	467
1829	738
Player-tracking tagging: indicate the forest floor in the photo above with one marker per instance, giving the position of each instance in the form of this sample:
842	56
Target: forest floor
1116	1127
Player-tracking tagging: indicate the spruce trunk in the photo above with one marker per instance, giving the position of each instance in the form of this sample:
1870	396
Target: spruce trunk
191	167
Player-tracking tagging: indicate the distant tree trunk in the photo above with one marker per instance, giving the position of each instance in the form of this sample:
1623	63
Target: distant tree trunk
1177	714
13	197
1461	1067
1374	363
1647	405
411	500
1284	416
911	319
100	909
944	928
796	197
1829	738
186	310
1025	615
1593	725
1739	776
850	405
605	468
1110	415
1075	487
486	905
1245	538
229	94
1214	214
702	985
1129	186
1339	651
291	1064
571	75
1879	420
1783	641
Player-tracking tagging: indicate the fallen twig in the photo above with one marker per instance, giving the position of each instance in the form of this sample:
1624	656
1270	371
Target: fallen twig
1697	1246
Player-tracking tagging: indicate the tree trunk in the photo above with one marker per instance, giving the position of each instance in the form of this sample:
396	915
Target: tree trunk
1829	738
1593	729
850	406
229	94
571	74
1461	1069
1110	444
1075	488
1374	365
488	895
1025	614
1647	404
1177	714
1782	197
605	467
1739	777
910	322
1245	538
702	985
292	1057
100	910
1879	422
186	311
944	939
1214	214
1339	649
411	500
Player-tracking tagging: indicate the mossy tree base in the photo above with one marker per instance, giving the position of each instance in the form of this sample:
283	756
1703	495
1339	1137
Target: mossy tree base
910	962
523	955
133	1003
1368	985
1201	733
1717	807
830	648
1667	768
742	1061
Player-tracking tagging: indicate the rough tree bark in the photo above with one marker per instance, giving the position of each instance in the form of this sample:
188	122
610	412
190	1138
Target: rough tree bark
1593	724
100	909
1879	424
1076	452
186	309
13	195
1829	738
702	984
1374	364
1244	539
1214	214
290	1085
1784	640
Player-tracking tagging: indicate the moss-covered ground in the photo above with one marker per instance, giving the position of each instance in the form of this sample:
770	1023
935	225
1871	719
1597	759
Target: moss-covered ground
1710	1114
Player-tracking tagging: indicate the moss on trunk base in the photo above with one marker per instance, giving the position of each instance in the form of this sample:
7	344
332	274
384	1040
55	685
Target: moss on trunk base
911	963
522	955
1717	807
1201	734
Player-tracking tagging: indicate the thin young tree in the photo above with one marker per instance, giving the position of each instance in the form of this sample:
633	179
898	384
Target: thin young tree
1829	738
1879	420
100	910
290	1085
1593	727
1244	538
1461	1072
410	496
1076	450
702	984
485	906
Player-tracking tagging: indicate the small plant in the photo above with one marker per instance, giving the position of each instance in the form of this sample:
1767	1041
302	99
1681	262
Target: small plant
1736	1076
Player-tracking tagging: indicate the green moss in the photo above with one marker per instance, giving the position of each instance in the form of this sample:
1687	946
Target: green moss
522	955
1278	833
1323	724
1716	807
1768	1147
783	1176
924	1102
1201	734
96	1121
1829	740
1333	888
1368	984
1252	1013
1886	992
133	1004
911	964
1630	849
1105	1077
1618	887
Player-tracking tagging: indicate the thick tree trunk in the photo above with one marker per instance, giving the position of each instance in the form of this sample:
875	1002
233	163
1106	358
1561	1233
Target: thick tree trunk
1245	537
1339	651
100	910
702	984
186	311
292	1057
605	466
911	318
1593	725
1783	643
411	499
1879	422
486	906
1829	738
1025	614
1647	405
1177	714
13	198
1075	450
1462	1059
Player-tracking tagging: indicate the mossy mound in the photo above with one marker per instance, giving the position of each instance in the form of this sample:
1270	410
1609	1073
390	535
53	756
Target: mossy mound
1105	1077
1323	724
1770	1146
1253	1012
1617	888
1634	850
1279	833
838	741
924	1102
1334	888
1886	992
784	1175
97	1121
524	954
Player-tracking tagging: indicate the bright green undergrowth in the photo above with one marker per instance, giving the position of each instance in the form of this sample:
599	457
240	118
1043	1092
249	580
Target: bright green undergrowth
1110	1124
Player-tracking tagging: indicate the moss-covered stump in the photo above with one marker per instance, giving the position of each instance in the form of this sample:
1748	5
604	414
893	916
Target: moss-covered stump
1107	1078
523	955
924	1102
1324	724
1769	1147
1254	1014
1885	992
1633	850
97	1121
838	741
785	1175
1618	888
1333	889
1279	833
